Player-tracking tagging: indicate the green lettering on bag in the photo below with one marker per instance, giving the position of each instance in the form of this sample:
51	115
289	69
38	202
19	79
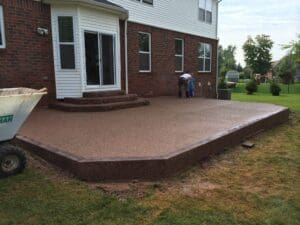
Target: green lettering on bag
6	119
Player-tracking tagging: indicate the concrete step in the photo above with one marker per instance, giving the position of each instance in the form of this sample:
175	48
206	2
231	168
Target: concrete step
102	94
101	100
70	107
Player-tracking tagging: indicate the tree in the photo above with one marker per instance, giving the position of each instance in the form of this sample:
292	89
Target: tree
286	69
248	73
294	49
258	53
220	59
227	58
239	68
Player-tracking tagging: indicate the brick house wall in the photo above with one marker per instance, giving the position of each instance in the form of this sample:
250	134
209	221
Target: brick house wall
27	59
162	80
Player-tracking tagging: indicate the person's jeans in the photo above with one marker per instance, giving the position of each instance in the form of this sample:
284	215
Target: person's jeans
182	82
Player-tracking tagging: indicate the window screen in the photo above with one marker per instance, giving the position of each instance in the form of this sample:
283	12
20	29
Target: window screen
144	52
179	55
204	57
66	42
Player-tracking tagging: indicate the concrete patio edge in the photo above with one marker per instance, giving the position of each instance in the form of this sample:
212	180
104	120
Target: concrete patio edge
150	168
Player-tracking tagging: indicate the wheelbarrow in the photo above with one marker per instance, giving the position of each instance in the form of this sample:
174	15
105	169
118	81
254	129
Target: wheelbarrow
15	106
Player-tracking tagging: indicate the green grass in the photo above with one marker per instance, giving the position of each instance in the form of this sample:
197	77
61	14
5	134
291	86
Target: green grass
291	100
31	198
260	186
265	88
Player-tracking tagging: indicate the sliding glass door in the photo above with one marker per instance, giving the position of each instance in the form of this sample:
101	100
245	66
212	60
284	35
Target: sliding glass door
100	59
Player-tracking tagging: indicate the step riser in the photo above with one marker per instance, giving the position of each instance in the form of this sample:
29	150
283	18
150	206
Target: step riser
103	100
102	94
99	108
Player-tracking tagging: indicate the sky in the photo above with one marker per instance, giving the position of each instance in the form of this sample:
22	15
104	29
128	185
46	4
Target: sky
240	18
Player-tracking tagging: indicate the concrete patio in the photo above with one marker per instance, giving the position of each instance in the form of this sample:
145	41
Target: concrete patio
144	143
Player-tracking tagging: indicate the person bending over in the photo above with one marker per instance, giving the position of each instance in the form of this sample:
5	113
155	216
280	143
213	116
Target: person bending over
183	83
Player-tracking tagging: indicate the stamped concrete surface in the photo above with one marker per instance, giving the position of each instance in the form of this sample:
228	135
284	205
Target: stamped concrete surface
165	127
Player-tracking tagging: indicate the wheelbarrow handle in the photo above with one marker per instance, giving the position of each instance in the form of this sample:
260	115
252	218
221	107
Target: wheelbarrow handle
43	90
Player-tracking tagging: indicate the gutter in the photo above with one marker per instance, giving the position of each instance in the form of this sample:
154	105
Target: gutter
123	13
126	57
217	28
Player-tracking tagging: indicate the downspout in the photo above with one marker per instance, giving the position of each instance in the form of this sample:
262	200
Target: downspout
126	57
217	74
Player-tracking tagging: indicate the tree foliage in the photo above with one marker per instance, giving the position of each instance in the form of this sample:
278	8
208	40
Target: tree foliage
294	49
239	68
227	58
286	69
258	53
247	73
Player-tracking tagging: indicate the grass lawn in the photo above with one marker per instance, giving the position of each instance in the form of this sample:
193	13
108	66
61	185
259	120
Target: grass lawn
259	186
291	100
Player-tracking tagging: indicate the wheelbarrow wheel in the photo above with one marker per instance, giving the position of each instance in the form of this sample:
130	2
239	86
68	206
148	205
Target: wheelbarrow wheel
12	160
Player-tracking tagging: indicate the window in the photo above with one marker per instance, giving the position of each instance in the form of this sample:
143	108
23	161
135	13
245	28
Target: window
2	34
144	52
66	42
179	55
204	57
205	11
149	2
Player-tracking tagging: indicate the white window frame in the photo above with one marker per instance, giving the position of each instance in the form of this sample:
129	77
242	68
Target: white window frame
182	55
202	70
59	43
3	45
99	36
205	11
144	52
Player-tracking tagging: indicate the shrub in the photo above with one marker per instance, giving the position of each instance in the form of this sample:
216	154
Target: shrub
222	83
251	87
274	88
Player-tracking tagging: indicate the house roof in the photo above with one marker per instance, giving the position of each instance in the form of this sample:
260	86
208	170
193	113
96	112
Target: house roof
103	4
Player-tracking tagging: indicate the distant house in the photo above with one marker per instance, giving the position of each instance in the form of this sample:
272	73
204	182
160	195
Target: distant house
136	46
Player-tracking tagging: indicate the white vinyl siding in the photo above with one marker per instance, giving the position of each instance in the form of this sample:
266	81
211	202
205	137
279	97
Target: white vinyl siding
149	2
72	82
176	15
2	30
68	81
